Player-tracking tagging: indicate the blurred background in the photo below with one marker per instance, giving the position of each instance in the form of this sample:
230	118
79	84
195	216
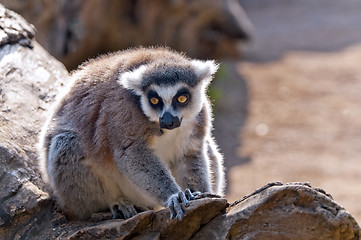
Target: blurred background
287	98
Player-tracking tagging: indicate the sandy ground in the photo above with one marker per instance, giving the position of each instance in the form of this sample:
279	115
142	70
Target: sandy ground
291	110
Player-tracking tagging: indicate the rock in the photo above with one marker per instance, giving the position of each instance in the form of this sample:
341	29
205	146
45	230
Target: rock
277	211
150	224
73	31
14	29
29	81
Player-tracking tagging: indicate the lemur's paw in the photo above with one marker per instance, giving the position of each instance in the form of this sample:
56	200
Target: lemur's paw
191	195
123	209
177	203
198	195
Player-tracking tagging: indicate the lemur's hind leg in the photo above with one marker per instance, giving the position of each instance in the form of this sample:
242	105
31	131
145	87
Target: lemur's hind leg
77	189
123	209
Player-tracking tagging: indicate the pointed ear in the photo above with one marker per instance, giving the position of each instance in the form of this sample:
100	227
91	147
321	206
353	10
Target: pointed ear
132	80
204	70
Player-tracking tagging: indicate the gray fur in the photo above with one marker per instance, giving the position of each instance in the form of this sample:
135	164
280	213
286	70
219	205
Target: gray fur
101	148
169	75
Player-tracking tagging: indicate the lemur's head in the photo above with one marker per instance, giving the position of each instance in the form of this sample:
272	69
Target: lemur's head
171	92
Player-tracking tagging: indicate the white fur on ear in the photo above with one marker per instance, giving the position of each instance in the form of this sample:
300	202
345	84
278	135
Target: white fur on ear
204	69
132	79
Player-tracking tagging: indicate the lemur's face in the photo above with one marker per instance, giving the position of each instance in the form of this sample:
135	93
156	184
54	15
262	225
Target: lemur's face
171	105
170	94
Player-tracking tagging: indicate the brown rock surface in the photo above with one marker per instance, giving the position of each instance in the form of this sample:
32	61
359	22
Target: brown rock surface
277	211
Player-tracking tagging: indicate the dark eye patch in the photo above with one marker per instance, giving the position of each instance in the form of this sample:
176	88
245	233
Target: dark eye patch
181	92
153	94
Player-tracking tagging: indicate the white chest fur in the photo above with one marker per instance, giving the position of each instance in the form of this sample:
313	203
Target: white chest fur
173	144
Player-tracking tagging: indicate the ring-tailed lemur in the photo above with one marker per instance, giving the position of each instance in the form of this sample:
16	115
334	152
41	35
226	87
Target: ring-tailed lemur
132	132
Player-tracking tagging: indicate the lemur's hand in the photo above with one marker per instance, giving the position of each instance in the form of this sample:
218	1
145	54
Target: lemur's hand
177	203
191	195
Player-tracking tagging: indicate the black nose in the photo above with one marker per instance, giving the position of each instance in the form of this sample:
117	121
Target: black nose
168	121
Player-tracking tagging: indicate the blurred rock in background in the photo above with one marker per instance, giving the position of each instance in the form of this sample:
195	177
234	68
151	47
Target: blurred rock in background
74	30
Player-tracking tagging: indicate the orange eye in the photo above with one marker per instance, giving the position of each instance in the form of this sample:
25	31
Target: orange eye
154	100
182	99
